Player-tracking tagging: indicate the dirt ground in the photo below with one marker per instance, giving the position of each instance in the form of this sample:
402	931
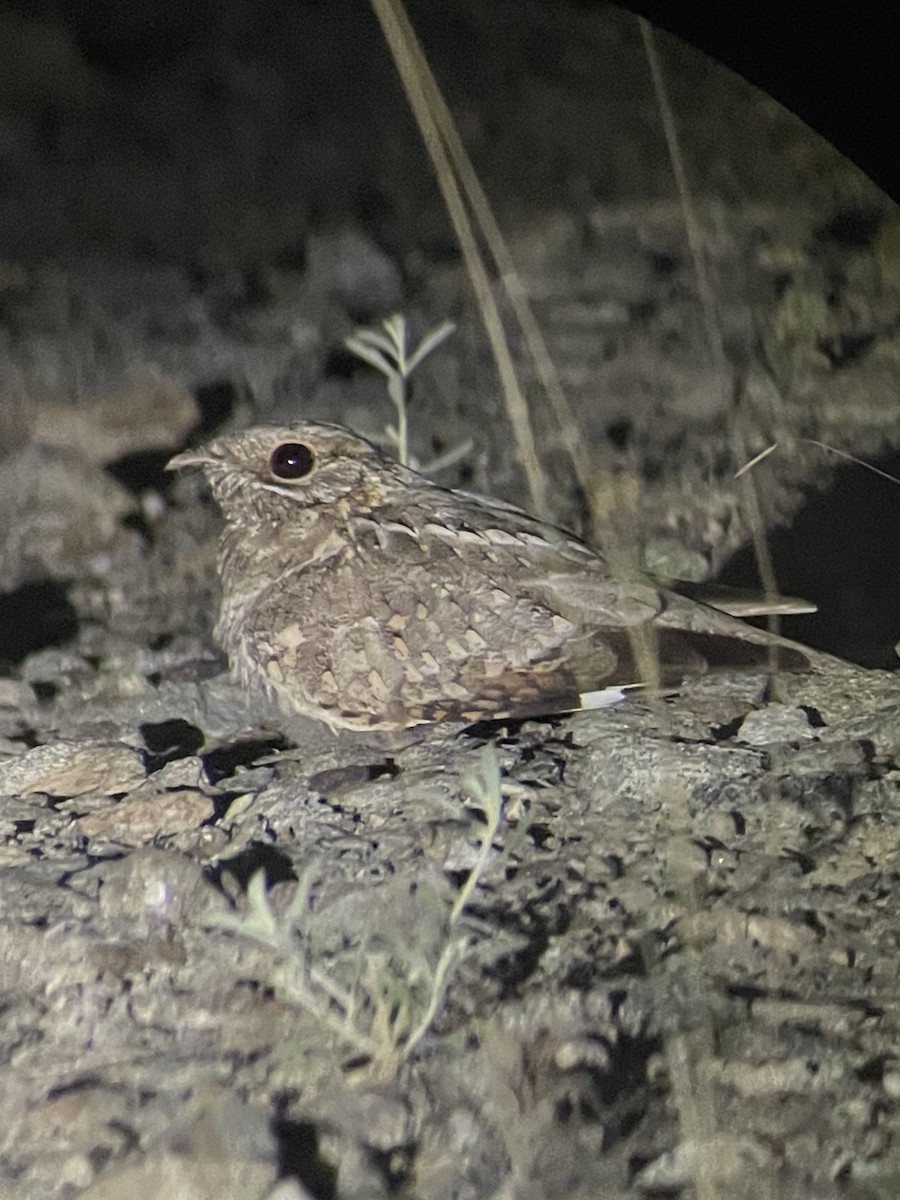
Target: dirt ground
648	951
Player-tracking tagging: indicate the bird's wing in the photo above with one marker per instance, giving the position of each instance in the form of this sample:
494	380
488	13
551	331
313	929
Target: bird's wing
460	629
742	602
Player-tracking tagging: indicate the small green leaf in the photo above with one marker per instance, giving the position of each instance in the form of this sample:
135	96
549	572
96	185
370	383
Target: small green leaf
372	356
429	342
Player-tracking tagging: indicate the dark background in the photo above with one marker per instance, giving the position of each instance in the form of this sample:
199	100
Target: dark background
835	67
837	70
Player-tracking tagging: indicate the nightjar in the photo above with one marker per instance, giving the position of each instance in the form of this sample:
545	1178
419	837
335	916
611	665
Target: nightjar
360	593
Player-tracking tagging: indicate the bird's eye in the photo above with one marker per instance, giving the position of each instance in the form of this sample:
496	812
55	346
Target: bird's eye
291	460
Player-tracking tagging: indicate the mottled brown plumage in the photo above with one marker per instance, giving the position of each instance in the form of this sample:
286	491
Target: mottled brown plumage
362	594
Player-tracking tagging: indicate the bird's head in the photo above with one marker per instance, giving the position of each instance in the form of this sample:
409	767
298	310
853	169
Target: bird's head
270	472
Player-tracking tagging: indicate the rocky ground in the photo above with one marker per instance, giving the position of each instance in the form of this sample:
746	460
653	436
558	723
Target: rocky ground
640	952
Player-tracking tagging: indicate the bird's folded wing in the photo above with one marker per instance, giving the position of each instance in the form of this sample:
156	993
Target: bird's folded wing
741	602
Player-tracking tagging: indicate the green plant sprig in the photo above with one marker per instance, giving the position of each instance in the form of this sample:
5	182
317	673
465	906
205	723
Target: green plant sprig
389	353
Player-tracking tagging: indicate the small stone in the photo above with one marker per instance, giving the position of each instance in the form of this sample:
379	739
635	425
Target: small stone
776	723
73	769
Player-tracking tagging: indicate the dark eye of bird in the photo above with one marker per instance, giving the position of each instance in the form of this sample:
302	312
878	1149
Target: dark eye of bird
291	460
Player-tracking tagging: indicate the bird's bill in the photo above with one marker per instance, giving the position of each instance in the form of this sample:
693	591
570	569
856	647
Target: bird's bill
188	458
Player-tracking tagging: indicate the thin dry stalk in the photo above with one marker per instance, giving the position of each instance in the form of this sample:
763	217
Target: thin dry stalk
707	296
705	290
433	119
